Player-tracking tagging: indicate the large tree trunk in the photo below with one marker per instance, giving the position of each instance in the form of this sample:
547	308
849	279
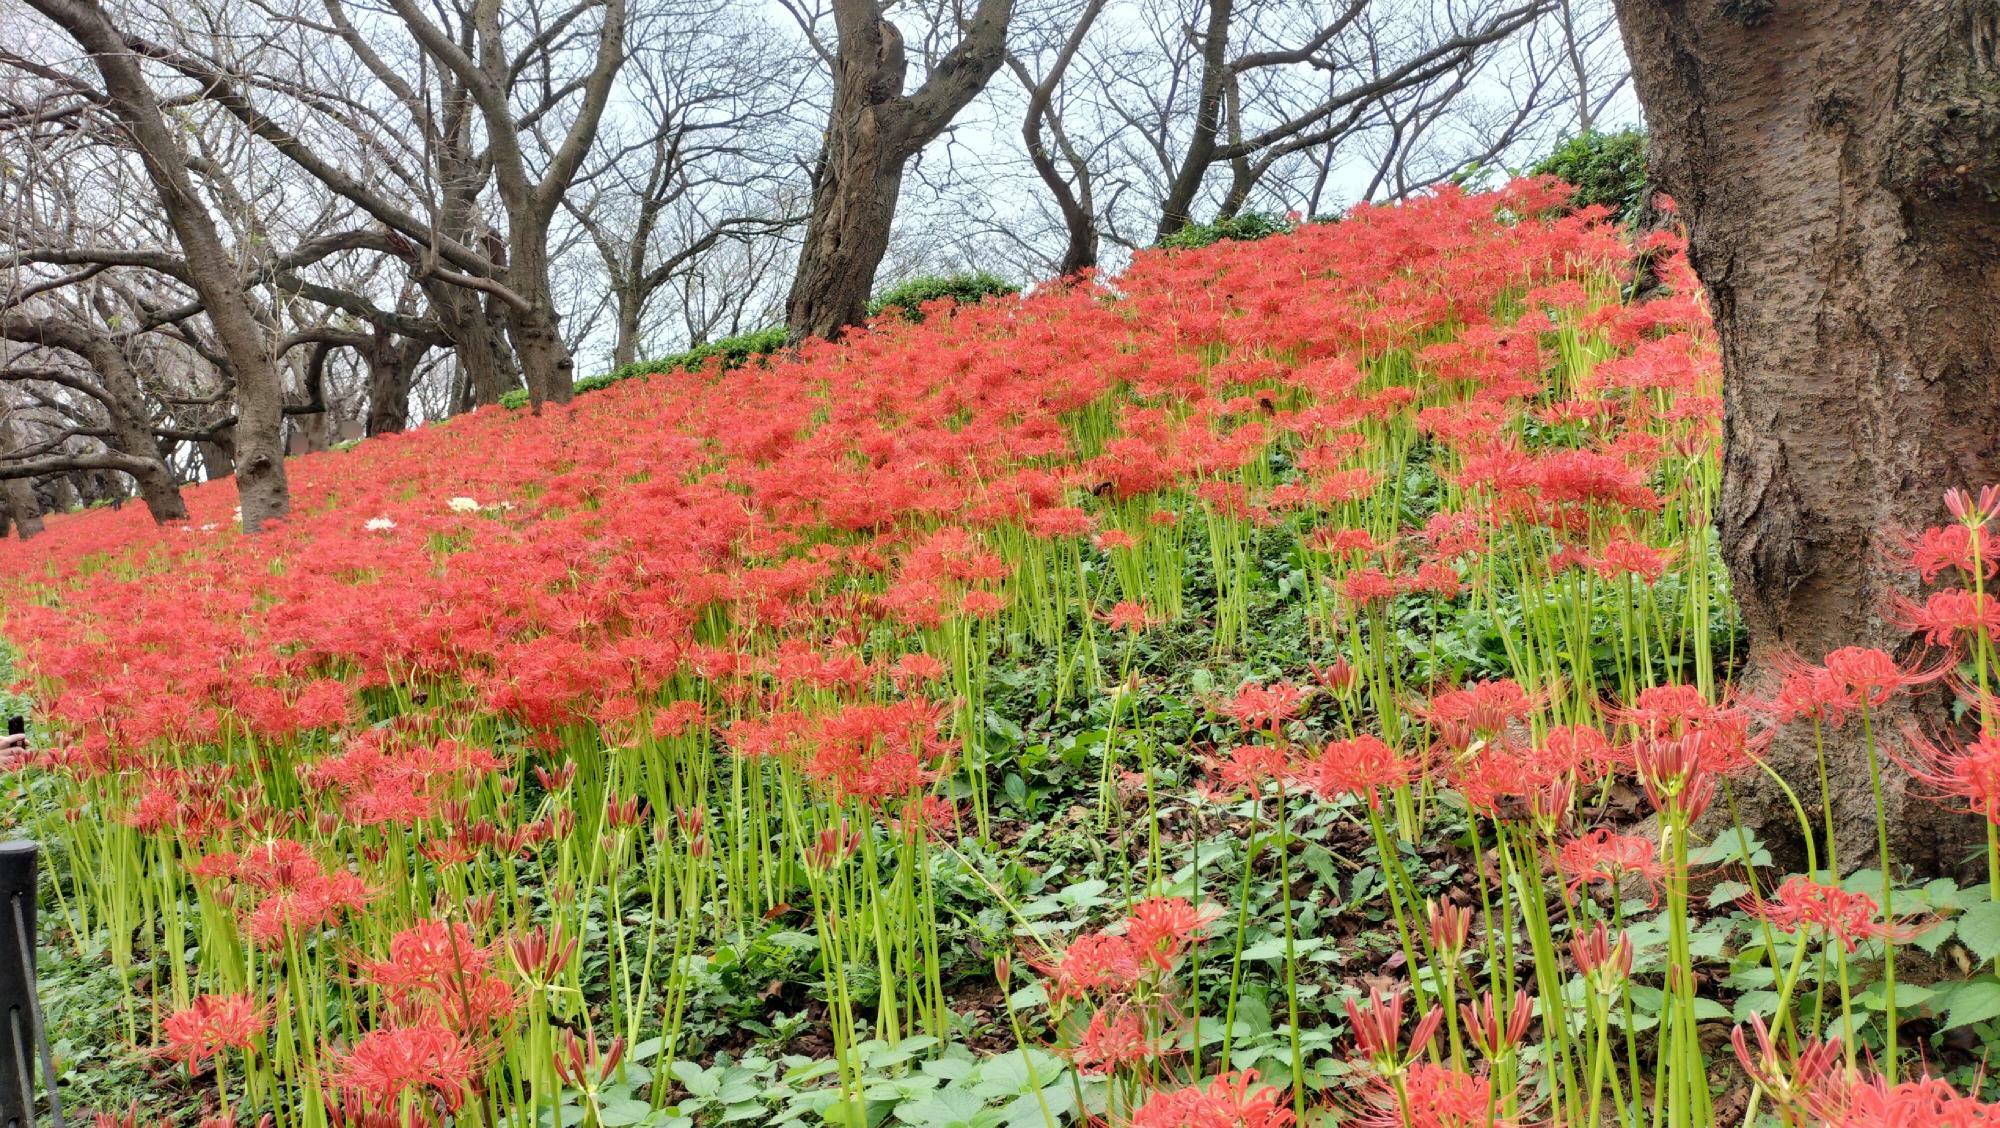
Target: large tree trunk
17	495
476	327
546	365
19	498
861	176
1838	164
871	134
392	366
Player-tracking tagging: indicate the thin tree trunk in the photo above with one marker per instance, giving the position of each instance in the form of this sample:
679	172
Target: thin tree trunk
1838	164
1177	209
625	339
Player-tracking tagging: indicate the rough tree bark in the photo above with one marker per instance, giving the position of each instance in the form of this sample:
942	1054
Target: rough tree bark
1838	163
17	495
392	367
871	134
260	457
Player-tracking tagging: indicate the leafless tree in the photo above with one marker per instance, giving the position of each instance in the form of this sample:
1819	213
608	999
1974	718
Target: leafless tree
1068	181
698	162
873	130
204	263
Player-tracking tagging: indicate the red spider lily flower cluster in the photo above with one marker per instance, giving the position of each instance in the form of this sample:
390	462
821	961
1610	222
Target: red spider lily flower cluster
691	601
1433	1096
214	1024
1124	974
1229	1100
1111	962
429	1064
1836	913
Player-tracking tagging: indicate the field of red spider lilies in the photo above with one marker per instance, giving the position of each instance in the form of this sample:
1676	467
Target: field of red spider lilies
1282	684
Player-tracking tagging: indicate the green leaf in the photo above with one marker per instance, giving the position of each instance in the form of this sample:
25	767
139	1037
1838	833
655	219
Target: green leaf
697	1081
624	1111
1273	947
948	1108
1972	1002
1979	930
846	1114
1755	1002
1725	892
1932	938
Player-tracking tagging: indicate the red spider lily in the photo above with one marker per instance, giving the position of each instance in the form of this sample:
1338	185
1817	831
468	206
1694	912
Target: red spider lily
1115	1038
1129	616
1965	549
1623	556
1480	711
925	817
287	891
1847	1102
1604	960
1229	1100
388	1063
1433	1096
1340	542
833	847
437	973
1160	929
1847	917
1378	1031
213	1024
1336	677
1969	772
541	954
1971	511
583	1064
1665	710
1872	677
1264	708
1111	540
1094	963
1950	617
1600	856
1807	693
1493	1033
1248	767
1450	926
1675	774
1791	1079
1363	766
1365	587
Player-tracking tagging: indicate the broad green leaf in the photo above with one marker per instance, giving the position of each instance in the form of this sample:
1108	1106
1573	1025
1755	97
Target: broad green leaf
1977	1001
1979	930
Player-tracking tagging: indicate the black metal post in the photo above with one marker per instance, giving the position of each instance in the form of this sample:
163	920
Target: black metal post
19	1013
